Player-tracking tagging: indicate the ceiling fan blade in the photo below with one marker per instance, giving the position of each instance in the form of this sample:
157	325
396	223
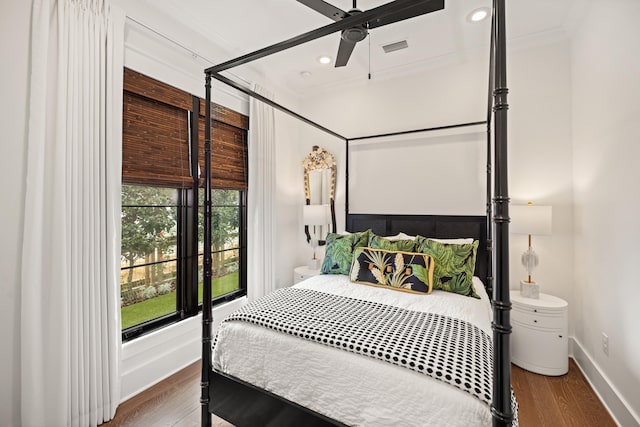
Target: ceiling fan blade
344	52
406	13
328	10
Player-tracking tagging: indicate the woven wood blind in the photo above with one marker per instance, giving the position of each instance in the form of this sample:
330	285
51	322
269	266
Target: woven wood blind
225	115
155	149
156	137
140	84
228	155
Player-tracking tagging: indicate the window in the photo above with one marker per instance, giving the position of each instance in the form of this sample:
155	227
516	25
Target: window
162	205
227	238
148	276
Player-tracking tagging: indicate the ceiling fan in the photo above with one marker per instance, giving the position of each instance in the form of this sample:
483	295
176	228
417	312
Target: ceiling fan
389	13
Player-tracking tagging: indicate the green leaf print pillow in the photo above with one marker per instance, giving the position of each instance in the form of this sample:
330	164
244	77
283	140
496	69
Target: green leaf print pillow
339	251
378	242
455	264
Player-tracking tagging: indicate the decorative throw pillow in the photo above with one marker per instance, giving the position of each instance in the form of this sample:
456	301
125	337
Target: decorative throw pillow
403	271
404	245
455	264
339	251
454	241
400	236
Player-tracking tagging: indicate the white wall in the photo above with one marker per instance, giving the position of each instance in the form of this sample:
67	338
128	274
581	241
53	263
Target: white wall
606	92
440	172
540	160
15	16
289	197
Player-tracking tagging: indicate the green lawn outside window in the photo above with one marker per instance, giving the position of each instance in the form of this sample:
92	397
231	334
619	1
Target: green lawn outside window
143	311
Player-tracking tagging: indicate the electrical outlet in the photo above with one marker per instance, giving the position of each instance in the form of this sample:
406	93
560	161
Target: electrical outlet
605	343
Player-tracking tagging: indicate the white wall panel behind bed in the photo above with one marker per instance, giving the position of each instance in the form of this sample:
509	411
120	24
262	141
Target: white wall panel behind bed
395	174
440	172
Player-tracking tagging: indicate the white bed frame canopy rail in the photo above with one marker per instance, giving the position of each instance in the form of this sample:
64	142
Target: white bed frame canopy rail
497	223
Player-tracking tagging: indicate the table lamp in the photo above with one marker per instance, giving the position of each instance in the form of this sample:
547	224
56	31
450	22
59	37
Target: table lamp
530	220
314	217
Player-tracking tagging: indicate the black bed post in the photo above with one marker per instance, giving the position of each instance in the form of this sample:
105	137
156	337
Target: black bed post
489	211
501	410
489	224
346	186
206	292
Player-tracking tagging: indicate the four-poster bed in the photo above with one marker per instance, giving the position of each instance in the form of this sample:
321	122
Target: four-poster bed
244	403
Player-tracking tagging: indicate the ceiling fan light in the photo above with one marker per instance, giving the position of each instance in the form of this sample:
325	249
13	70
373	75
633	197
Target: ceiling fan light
478	15
324	60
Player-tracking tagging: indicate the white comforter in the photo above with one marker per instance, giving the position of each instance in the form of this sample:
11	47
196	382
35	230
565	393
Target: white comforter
354	389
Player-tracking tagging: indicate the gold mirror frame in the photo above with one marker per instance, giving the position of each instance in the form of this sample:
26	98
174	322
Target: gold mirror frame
320	159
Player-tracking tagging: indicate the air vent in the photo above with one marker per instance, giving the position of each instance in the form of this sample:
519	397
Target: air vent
392	47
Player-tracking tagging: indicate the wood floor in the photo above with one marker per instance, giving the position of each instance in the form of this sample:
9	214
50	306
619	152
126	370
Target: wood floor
567	400
172	402
543	401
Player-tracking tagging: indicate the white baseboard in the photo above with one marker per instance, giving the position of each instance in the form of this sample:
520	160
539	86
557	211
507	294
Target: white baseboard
151	358
617	406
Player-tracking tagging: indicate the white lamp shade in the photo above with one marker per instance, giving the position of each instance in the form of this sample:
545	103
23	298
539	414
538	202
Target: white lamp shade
315	214
530	219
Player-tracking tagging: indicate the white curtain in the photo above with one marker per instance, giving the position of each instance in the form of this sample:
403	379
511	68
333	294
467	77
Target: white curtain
70	317
260	203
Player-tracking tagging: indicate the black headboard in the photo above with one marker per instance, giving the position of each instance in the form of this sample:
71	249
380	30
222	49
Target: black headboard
437	226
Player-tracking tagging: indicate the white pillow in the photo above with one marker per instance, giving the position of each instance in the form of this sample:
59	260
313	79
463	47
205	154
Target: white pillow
400	236
454	241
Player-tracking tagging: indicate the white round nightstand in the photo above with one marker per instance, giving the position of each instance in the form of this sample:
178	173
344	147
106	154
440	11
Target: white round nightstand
303	272
539	341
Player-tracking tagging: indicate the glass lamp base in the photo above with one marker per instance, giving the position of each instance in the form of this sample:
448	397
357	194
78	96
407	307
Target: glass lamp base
314	264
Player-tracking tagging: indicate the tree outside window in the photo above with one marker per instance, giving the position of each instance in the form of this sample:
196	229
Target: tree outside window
149	247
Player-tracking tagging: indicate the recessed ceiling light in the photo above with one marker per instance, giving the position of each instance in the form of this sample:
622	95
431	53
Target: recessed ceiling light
305	74
324	59
478	15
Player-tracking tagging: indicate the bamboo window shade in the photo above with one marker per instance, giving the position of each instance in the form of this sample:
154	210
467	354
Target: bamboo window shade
156	149
228	155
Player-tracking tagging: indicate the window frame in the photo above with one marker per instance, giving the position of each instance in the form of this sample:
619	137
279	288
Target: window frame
187	265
